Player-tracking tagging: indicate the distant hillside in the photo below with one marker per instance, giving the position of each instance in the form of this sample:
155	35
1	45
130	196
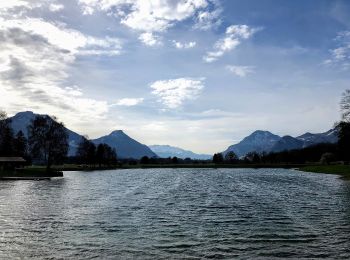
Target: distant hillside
259	141
126	147
311	139
264	141
287	143
165	151
21	121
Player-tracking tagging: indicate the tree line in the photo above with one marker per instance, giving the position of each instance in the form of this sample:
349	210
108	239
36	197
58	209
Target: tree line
47	143
10	144
90	154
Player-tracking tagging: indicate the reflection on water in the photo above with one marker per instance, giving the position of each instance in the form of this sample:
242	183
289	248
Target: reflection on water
176	213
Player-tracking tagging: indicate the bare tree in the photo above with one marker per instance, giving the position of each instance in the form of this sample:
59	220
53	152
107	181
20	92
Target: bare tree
345	105
86	151
48	140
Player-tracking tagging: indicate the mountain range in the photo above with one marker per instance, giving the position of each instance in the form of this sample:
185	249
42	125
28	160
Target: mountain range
264	141
165	151
126	147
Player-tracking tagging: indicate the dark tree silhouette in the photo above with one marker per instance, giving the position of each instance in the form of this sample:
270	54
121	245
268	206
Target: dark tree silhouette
175	160
309	154
105	155
252	157
86	151
345	105
231	157
91	153
99	154
144	160
218	158
20	145
6	135
47	140
344	140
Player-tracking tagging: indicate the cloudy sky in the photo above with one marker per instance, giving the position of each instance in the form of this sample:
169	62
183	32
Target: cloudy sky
198	74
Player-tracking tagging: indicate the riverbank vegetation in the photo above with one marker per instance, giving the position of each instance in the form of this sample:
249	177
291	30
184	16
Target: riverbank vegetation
343	170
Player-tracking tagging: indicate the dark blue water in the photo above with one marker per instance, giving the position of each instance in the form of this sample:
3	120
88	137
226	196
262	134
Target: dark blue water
177	214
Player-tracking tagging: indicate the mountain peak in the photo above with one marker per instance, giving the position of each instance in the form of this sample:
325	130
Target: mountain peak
262	135
126	146
24	114
261	132
117	133
258	141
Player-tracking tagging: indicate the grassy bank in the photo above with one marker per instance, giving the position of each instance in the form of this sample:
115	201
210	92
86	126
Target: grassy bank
30	173
343	170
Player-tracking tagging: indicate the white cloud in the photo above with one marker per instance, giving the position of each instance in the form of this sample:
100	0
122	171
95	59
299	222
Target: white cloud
210	17
150	39
233	37
129	101
36	58
56	7
340	55
64	38
185	45
12	4
155	126
174	92
148	16
240	71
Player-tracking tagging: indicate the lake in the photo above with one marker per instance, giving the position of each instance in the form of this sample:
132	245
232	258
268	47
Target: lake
177	214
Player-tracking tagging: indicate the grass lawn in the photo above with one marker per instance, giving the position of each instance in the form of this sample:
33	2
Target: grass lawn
343	170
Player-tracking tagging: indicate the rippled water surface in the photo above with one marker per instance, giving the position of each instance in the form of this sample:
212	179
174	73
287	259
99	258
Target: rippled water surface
176	214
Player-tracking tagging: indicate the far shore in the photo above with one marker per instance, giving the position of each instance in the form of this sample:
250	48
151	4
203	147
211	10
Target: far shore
39	172
338	169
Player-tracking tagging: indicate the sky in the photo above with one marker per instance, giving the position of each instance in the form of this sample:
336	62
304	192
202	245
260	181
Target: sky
196	74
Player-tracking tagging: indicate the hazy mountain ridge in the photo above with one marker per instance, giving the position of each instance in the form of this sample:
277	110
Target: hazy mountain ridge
265	141
165	151
287	143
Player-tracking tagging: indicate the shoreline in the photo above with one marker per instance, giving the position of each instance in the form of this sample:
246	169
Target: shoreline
37	172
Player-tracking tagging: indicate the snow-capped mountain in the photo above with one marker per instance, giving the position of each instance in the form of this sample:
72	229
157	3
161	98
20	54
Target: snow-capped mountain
309	139
165	151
